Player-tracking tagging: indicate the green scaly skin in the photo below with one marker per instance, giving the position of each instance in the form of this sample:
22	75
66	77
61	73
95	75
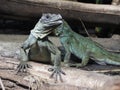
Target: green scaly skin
83	48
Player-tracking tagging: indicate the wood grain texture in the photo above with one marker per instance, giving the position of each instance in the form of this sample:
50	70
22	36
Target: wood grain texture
32	9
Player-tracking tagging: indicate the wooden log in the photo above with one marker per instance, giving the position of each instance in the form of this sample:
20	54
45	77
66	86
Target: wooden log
32	9
115	2
75	78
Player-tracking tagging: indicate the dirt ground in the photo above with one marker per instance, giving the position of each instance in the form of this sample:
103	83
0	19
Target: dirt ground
10	44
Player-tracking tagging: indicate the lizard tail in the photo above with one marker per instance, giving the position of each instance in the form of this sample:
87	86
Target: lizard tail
113	58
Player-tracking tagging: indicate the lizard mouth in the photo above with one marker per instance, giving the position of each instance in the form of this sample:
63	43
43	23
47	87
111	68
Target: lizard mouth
55	22
47	31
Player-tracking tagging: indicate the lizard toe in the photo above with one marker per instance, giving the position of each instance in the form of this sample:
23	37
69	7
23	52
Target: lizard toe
56	73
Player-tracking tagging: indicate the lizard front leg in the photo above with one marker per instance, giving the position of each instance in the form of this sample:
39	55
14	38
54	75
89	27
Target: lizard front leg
23	61
67	54
56	59
23	65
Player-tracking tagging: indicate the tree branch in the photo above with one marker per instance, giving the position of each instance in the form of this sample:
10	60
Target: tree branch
31	9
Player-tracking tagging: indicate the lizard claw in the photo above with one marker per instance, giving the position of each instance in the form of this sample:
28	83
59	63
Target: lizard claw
22	67
56	72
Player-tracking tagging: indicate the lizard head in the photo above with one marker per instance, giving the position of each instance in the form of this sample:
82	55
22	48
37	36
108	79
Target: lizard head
51	20
47	23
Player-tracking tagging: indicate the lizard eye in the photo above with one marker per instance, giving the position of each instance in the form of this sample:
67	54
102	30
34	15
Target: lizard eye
47	16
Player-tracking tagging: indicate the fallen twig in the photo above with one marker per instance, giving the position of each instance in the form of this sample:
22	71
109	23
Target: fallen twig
2	86
105	71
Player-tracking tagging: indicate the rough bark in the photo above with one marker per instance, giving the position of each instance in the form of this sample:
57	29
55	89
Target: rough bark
31	9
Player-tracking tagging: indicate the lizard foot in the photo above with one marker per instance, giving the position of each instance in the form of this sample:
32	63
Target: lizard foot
22	67
56	72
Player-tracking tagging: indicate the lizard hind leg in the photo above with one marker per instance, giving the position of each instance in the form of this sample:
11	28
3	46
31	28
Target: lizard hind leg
84	62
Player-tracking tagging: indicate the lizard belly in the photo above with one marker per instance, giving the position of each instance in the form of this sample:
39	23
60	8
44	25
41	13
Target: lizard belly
40	54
